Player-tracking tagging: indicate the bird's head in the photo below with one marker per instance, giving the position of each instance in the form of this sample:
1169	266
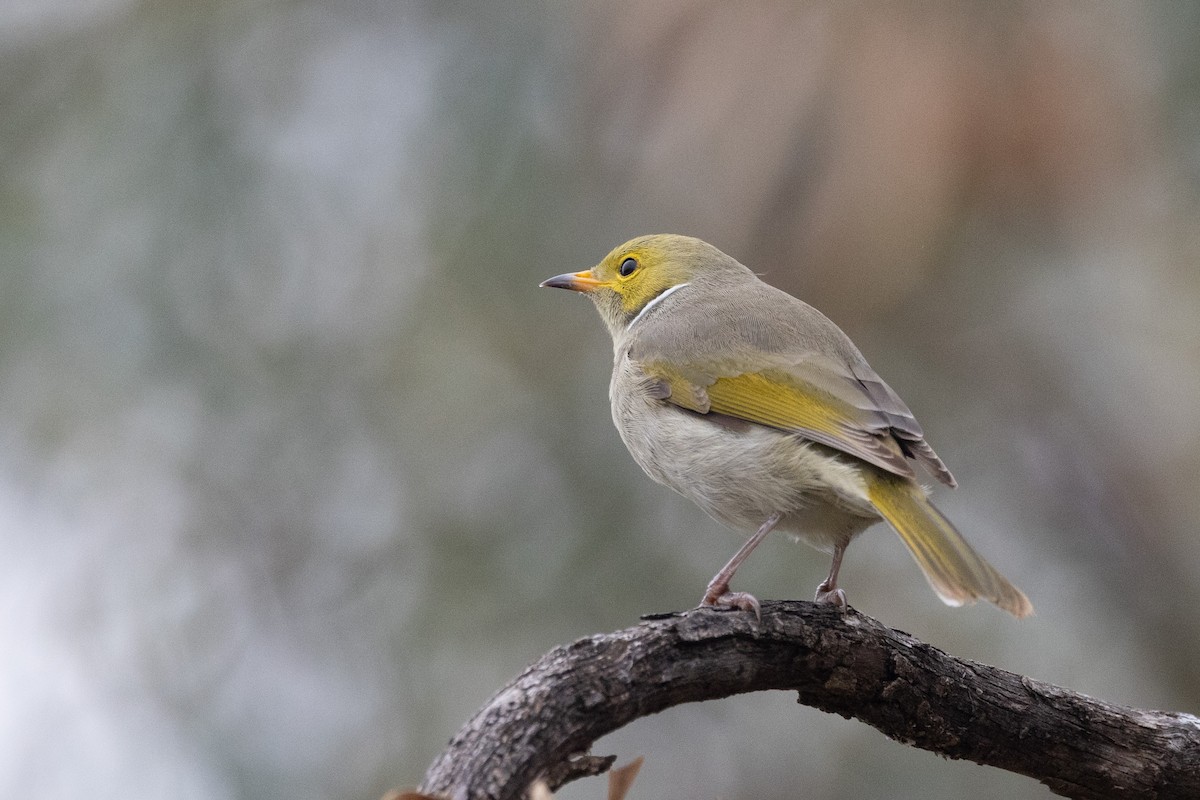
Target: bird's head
643	270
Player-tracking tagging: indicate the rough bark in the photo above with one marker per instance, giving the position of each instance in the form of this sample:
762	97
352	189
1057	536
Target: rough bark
851	665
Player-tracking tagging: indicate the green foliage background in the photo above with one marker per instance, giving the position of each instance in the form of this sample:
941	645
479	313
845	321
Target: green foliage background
297	466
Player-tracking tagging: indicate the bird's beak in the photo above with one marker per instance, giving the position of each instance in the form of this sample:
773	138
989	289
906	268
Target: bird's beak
575	281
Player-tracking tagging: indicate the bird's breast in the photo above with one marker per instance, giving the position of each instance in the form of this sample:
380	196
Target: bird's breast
738	474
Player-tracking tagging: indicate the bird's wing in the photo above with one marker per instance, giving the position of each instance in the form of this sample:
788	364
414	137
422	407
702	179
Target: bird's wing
903	425
846	407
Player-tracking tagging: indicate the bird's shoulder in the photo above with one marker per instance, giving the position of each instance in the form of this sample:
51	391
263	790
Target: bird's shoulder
746	326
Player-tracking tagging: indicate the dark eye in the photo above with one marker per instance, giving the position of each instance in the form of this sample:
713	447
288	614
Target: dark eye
628	266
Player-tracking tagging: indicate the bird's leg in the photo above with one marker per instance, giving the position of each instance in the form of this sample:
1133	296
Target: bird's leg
718	593
828	591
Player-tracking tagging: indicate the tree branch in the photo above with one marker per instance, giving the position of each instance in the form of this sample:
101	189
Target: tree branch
849	665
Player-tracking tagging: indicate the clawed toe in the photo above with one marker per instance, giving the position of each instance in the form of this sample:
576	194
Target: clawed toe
743	601
832	597
718	593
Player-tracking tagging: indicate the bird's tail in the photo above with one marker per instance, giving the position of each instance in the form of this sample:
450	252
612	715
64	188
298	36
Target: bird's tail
956	572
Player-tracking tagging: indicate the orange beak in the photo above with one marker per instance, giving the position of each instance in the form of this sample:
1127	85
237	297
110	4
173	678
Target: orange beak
575	281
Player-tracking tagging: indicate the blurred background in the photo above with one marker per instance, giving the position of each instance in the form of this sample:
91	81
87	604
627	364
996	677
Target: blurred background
298	466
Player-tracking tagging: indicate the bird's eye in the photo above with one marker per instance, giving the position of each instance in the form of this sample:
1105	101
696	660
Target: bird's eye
628	266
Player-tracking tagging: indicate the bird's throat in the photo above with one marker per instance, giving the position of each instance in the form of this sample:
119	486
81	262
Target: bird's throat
646	308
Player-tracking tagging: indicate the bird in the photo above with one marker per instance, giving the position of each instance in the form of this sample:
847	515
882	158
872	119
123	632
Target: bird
759	409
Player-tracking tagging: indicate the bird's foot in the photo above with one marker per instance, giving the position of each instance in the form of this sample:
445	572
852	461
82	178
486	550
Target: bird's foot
832	596
721	597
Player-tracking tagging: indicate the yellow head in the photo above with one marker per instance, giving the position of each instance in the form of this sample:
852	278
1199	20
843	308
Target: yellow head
638	272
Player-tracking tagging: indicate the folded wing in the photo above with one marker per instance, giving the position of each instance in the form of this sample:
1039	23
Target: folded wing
850	409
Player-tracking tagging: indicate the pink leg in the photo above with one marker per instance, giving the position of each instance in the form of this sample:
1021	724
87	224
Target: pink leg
718	593
828	591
